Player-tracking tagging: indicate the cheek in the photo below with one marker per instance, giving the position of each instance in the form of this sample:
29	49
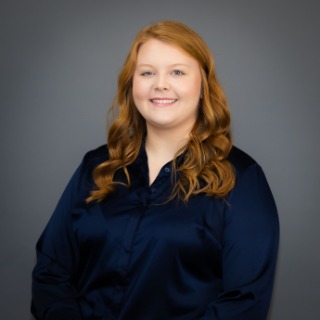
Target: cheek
192	90
135	89
139	94
198	84
139	90
191	86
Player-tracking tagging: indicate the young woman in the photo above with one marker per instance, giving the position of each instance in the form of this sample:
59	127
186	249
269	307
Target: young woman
168	221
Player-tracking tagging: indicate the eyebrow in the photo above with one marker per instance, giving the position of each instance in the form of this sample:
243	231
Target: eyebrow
172	65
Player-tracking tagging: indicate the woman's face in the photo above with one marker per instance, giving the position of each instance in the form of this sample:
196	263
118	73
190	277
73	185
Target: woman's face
166	86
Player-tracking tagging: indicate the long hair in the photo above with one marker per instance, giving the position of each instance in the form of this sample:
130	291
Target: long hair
205	168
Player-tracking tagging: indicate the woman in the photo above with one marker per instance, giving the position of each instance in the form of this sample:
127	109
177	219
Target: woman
169	220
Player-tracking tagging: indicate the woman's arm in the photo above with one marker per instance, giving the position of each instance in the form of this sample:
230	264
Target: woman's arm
54	296
250	248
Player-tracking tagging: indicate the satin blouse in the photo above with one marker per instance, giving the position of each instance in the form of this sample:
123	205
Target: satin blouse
136	256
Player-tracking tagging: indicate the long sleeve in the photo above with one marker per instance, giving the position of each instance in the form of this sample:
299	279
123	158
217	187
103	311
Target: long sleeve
250	248
130	258
54	295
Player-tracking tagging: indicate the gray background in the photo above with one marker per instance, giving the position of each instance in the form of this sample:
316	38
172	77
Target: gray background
59	66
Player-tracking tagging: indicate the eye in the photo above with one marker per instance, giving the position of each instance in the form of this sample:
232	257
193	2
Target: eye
177	73
147	73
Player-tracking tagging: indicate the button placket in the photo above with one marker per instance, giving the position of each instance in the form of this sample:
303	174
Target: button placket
123	264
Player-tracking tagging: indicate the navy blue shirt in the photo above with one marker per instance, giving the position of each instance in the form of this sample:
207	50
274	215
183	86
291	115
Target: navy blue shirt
135	256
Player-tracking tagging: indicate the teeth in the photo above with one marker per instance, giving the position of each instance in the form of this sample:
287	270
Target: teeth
164	101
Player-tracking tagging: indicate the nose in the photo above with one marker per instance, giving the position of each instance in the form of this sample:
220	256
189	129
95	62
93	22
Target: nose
161	83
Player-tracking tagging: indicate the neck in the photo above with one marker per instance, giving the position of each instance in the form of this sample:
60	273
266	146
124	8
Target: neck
164	144
161	147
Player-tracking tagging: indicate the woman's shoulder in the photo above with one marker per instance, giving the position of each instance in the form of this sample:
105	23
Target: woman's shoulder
250	177
240	159
95	157
99	153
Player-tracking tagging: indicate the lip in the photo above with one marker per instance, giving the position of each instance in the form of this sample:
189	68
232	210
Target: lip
163	101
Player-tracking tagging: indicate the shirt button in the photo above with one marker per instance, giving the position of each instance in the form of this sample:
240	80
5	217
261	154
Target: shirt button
166	169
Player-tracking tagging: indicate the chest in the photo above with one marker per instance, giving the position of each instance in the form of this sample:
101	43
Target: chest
137	219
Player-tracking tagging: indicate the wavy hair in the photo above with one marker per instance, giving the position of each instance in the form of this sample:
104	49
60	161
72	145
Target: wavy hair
205	168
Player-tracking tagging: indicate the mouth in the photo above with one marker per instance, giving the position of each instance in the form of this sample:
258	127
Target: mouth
163	101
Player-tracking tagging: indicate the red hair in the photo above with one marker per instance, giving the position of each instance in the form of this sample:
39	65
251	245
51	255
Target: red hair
205	168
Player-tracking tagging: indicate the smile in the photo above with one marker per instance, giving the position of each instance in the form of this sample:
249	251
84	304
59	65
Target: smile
163	101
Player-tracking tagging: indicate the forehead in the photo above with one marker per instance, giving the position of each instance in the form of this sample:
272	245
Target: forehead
154	51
